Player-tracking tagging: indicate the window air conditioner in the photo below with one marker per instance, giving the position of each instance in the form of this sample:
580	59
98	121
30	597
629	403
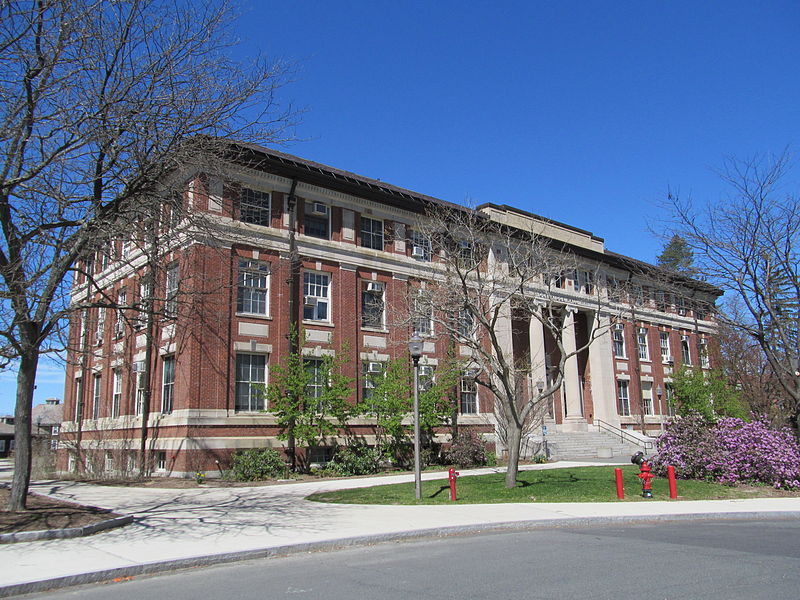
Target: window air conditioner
670	359
318	208
310	301
703	342
374	286
374	367
418	252
138	366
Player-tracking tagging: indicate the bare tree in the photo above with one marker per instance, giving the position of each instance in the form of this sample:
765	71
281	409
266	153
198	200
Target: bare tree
749	245
489	284
100	103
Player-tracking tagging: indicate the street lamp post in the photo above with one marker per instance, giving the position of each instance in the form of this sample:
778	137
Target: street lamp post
415	350
659	393
540	387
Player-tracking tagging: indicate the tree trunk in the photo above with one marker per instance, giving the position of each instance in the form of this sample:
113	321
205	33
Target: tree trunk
26	378
514	442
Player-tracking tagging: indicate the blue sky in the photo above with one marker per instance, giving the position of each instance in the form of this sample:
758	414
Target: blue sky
584	112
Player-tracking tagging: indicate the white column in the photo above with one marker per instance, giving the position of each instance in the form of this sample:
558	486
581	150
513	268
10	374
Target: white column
571	379
601	373
538	355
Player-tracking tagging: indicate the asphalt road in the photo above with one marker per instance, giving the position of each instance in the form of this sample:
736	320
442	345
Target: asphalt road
671	560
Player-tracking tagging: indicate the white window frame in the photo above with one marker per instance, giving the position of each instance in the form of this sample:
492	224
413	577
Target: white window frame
647	399
256	396
368	378
171	290
100	326
374	240
116	398
423	314
167	384
421	247
97	395
253	287
251	205
686	352
623	398
618	340
468	396
317	296
374	299
309	208
141	384
119	323
702	351
641	344
664	345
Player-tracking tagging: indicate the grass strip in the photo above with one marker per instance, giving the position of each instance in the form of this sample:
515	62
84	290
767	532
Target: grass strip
578	484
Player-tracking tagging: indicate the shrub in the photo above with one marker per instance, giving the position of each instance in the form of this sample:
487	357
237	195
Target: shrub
730	451
257	464
491	459
467	450
355	459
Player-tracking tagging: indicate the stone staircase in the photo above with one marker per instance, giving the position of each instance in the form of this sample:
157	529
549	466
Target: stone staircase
588	444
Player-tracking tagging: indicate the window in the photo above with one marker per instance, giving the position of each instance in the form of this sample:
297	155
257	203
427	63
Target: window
116	398
647	398
619	340
641	339
661	300
638	295
468	396
623	400
372	305
663	339
253	293
119	324
425	378
173	278
317	220
98	390
316	291
145	294
682	306
320	455
161	461
168	384
423	313
125	251
141	384
420	247
466	324
686	355
254	207
372	372
78	399
315	386
109	462
371	233
585	282
251	378
101	325
703	352
669	392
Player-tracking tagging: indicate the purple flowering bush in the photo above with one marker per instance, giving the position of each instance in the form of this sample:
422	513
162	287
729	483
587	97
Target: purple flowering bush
730	451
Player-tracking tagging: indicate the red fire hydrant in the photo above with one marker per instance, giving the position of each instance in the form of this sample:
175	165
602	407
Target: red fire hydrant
453	474
646	476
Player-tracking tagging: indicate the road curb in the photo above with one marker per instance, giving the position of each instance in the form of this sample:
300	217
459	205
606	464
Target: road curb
368	540
65	533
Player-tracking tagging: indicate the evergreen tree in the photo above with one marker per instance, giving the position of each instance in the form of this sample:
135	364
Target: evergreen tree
677	256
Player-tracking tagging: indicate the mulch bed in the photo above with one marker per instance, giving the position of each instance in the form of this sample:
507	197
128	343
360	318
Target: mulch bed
47	513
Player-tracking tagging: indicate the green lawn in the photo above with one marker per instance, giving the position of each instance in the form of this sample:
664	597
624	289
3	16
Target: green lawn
580	484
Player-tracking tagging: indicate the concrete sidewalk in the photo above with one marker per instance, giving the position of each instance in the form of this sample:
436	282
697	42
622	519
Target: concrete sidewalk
177	528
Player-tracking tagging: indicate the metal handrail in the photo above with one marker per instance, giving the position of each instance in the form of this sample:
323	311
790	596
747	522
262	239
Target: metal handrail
624	435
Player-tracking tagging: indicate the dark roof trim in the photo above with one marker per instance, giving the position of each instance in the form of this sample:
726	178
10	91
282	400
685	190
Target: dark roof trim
307	171
315	173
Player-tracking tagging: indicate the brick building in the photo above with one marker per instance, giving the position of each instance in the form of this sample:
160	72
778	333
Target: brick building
226	294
